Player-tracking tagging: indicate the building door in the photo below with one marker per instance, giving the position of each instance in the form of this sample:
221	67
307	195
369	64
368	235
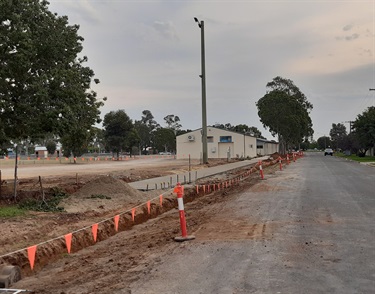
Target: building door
224	148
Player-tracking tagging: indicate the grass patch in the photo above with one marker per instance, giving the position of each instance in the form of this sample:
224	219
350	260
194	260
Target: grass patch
99	196
357	158
50	204
11	211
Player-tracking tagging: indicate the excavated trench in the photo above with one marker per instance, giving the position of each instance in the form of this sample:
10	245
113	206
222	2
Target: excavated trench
56	249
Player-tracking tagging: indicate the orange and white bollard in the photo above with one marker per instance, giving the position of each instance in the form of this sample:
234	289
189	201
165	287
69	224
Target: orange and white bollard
261	170
287	159
179	190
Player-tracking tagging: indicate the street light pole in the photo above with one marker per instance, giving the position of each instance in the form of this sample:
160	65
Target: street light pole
204	109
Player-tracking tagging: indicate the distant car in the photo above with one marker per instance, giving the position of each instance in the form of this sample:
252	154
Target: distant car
165	153
328	151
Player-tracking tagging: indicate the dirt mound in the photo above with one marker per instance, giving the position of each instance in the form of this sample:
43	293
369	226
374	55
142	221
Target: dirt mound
103	193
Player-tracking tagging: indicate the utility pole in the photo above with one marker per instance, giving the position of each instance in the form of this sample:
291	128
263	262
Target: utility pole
204	109
350	125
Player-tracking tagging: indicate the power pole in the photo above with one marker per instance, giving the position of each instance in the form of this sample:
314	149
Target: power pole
350	125
204	108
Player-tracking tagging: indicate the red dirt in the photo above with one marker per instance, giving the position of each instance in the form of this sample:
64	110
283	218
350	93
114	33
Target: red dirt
83	211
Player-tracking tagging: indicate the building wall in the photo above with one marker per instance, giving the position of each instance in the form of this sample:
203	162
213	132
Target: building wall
265	147
220	143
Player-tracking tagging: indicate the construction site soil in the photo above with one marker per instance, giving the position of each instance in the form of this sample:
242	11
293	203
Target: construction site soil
116	258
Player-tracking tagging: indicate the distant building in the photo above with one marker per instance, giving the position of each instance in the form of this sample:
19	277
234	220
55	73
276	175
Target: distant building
266	147
222	144
41	152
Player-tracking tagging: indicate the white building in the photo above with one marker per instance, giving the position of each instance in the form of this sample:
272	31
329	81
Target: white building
265	147
220	144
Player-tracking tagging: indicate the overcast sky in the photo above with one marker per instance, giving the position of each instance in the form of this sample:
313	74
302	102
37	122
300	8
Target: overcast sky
147	55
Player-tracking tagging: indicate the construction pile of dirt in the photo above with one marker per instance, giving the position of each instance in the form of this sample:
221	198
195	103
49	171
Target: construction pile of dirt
103	193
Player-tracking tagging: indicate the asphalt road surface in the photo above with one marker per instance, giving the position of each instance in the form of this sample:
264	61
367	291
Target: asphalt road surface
307	229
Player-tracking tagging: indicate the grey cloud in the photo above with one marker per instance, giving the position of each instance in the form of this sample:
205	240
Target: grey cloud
166	29
347	27
352	37
348	38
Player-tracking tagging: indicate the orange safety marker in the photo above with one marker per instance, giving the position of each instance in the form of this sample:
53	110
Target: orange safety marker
116	219
83	159
94	230
204	189
133	214
179	190
161	200
261	170
287	159
38	158
31	255
149	207
68	241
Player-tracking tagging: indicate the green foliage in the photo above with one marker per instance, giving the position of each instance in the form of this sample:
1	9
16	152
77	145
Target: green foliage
99	196
285	111
50	204
145	129
357	158
364	129
337	133
241	128
324	142
173	122
11	211
165	140
44	87
75	141
51	147
118	131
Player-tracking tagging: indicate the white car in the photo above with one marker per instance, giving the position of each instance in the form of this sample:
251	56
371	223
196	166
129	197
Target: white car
328	151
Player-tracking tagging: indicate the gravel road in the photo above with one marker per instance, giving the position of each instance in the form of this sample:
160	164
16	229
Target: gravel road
307	229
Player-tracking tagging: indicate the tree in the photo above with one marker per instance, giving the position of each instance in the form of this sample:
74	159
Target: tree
241	128
148	120
364	129
173	122
51	147
76	141
118	129
165	139
145	129
285	111
253	131
44	86
324	142
337	133
143	134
